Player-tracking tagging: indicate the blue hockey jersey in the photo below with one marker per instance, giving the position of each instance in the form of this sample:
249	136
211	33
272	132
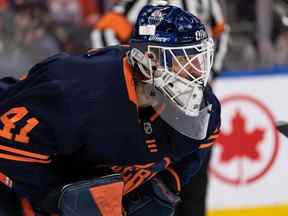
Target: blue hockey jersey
72	113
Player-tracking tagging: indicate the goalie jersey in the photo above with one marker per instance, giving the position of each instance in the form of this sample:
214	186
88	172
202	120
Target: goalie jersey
74	113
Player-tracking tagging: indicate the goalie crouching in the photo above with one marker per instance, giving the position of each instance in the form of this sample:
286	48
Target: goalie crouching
135	120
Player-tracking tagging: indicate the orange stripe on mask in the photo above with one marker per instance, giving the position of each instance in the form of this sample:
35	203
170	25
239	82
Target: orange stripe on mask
24	153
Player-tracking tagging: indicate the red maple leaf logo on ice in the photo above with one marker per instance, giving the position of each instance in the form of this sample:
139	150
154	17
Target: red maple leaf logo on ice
240	143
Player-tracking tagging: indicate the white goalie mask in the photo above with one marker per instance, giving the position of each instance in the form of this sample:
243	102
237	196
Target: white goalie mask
180	72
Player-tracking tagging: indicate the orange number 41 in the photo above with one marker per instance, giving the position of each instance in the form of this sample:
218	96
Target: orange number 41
10	118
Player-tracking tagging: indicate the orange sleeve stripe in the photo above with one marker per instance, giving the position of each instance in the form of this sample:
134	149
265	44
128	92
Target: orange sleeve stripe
130	85
150	141
152	146
218	29
176	177
27	208
144	166
117	168
153	150
207	145
23	159
213	136
118	23
137	180
24	153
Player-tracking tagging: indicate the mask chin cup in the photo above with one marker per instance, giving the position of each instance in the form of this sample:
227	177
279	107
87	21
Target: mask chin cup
191	126
187	99
193	107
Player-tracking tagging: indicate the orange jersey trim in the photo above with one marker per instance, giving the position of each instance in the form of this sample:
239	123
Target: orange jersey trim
108	198
167	161
207	145
152	146
153	150
146	166
24	153
23	159
215	134
27	208
130	85
176	177
150	141
138	179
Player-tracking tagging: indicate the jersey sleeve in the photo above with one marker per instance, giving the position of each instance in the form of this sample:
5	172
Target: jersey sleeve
34	131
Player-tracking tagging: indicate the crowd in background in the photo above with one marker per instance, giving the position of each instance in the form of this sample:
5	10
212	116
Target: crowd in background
31	30
258	33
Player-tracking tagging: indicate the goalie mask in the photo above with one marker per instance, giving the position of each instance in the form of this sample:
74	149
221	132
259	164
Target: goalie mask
174	54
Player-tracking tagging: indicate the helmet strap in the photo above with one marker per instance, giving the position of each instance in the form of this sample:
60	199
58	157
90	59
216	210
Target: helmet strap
137	57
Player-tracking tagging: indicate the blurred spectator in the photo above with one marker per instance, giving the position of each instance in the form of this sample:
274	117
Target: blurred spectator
90	11
65	11
31	34
280	31
242	46
12	60
76	12
71	23
264	31
258	35
3	4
